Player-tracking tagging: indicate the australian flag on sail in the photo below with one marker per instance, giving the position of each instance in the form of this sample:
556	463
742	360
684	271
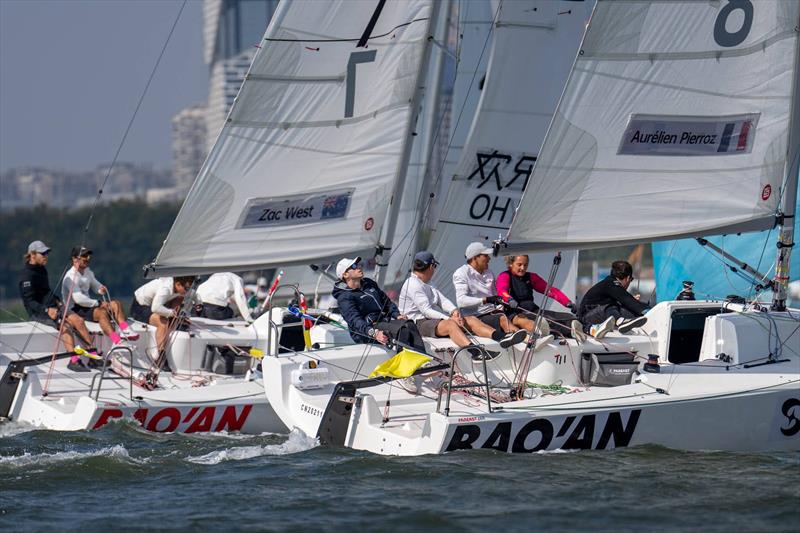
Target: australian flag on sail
335	206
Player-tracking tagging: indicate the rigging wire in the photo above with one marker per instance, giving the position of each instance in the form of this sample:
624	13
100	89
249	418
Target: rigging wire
130	123
108	173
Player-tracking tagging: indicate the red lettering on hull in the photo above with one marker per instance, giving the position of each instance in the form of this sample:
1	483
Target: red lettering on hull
230	422
174	419
107	415
192	420
204	421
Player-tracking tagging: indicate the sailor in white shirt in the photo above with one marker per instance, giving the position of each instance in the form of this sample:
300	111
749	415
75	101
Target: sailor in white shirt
76	288
157	301
434	314
475	290
219	293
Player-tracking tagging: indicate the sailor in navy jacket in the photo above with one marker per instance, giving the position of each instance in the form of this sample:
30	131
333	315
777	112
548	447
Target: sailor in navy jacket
364	307
370	314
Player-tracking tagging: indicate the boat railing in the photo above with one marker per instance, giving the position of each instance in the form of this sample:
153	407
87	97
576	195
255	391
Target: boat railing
450	387
101	376
272	325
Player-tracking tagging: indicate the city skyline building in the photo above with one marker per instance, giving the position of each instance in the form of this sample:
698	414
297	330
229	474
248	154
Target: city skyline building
189	133
231	31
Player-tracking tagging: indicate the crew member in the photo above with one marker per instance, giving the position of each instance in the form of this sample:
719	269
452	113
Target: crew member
44	307
370	314
475	295
219	294
609	305
157	302
516	286
434	314
76	288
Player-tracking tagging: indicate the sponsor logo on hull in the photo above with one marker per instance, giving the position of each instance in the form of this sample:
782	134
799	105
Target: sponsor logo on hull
598	431
183	420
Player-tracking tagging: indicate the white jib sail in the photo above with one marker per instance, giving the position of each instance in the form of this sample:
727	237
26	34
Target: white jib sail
534	44
305	167
674	122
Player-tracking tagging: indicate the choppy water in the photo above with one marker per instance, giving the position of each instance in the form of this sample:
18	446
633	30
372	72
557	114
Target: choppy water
123	478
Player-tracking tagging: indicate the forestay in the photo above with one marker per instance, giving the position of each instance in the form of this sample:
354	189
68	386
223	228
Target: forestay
305	167
674	122
533	47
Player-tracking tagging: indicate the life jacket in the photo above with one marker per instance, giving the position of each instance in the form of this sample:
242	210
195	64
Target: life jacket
521	289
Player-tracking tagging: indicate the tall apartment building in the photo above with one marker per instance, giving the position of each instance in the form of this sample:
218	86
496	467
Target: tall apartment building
231	31
188	144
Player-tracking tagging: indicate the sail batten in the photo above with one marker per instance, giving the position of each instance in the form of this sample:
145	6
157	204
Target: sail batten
673	123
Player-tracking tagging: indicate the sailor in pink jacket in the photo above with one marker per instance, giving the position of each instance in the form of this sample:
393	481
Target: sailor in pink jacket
517	286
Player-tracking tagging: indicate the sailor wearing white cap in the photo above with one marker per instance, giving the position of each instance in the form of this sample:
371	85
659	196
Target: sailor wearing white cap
369	312
475	296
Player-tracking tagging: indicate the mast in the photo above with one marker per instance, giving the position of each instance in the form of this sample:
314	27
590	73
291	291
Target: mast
787	218
402	168
433	123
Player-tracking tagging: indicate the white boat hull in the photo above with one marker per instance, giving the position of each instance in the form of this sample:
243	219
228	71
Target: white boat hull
726	401
189	399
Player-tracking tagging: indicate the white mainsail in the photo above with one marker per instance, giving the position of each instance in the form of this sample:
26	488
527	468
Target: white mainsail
674	122
517	102
306	165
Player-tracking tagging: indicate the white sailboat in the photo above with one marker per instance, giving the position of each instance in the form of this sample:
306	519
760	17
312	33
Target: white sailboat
678	119
307	166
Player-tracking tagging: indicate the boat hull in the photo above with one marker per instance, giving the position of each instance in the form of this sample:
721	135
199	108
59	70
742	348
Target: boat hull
50	396
732	397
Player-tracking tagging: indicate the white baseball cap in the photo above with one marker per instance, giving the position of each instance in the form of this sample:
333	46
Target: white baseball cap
38	246
477	248
344	265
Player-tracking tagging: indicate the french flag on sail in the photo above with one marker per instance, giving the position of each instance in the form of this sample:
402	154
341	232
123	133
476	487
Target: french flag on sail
735	136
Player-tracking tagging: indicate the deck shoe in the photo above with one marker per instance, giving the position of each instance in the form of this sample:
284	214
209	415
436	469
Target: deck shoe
598	331
513	338
544	328
128	334
577	331
78	366
94	363
478	354
624	325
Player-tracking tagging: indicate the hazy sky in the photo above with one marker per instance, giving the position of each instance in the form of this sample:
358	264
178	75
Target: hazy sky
71	72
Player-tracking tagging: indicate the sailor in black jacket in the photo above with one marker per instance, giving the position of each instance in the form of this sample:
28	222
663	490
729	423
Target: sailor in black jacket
34	287
369	313
610	298
42	305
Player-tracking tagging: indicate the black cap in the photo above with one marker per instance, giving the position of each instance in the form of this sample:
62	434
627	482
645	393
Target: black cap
81	251
426	258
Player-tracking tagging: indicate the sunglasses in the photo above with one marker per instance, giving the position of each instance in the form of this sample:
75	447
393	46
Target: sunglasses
355	266
86	258
44	253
